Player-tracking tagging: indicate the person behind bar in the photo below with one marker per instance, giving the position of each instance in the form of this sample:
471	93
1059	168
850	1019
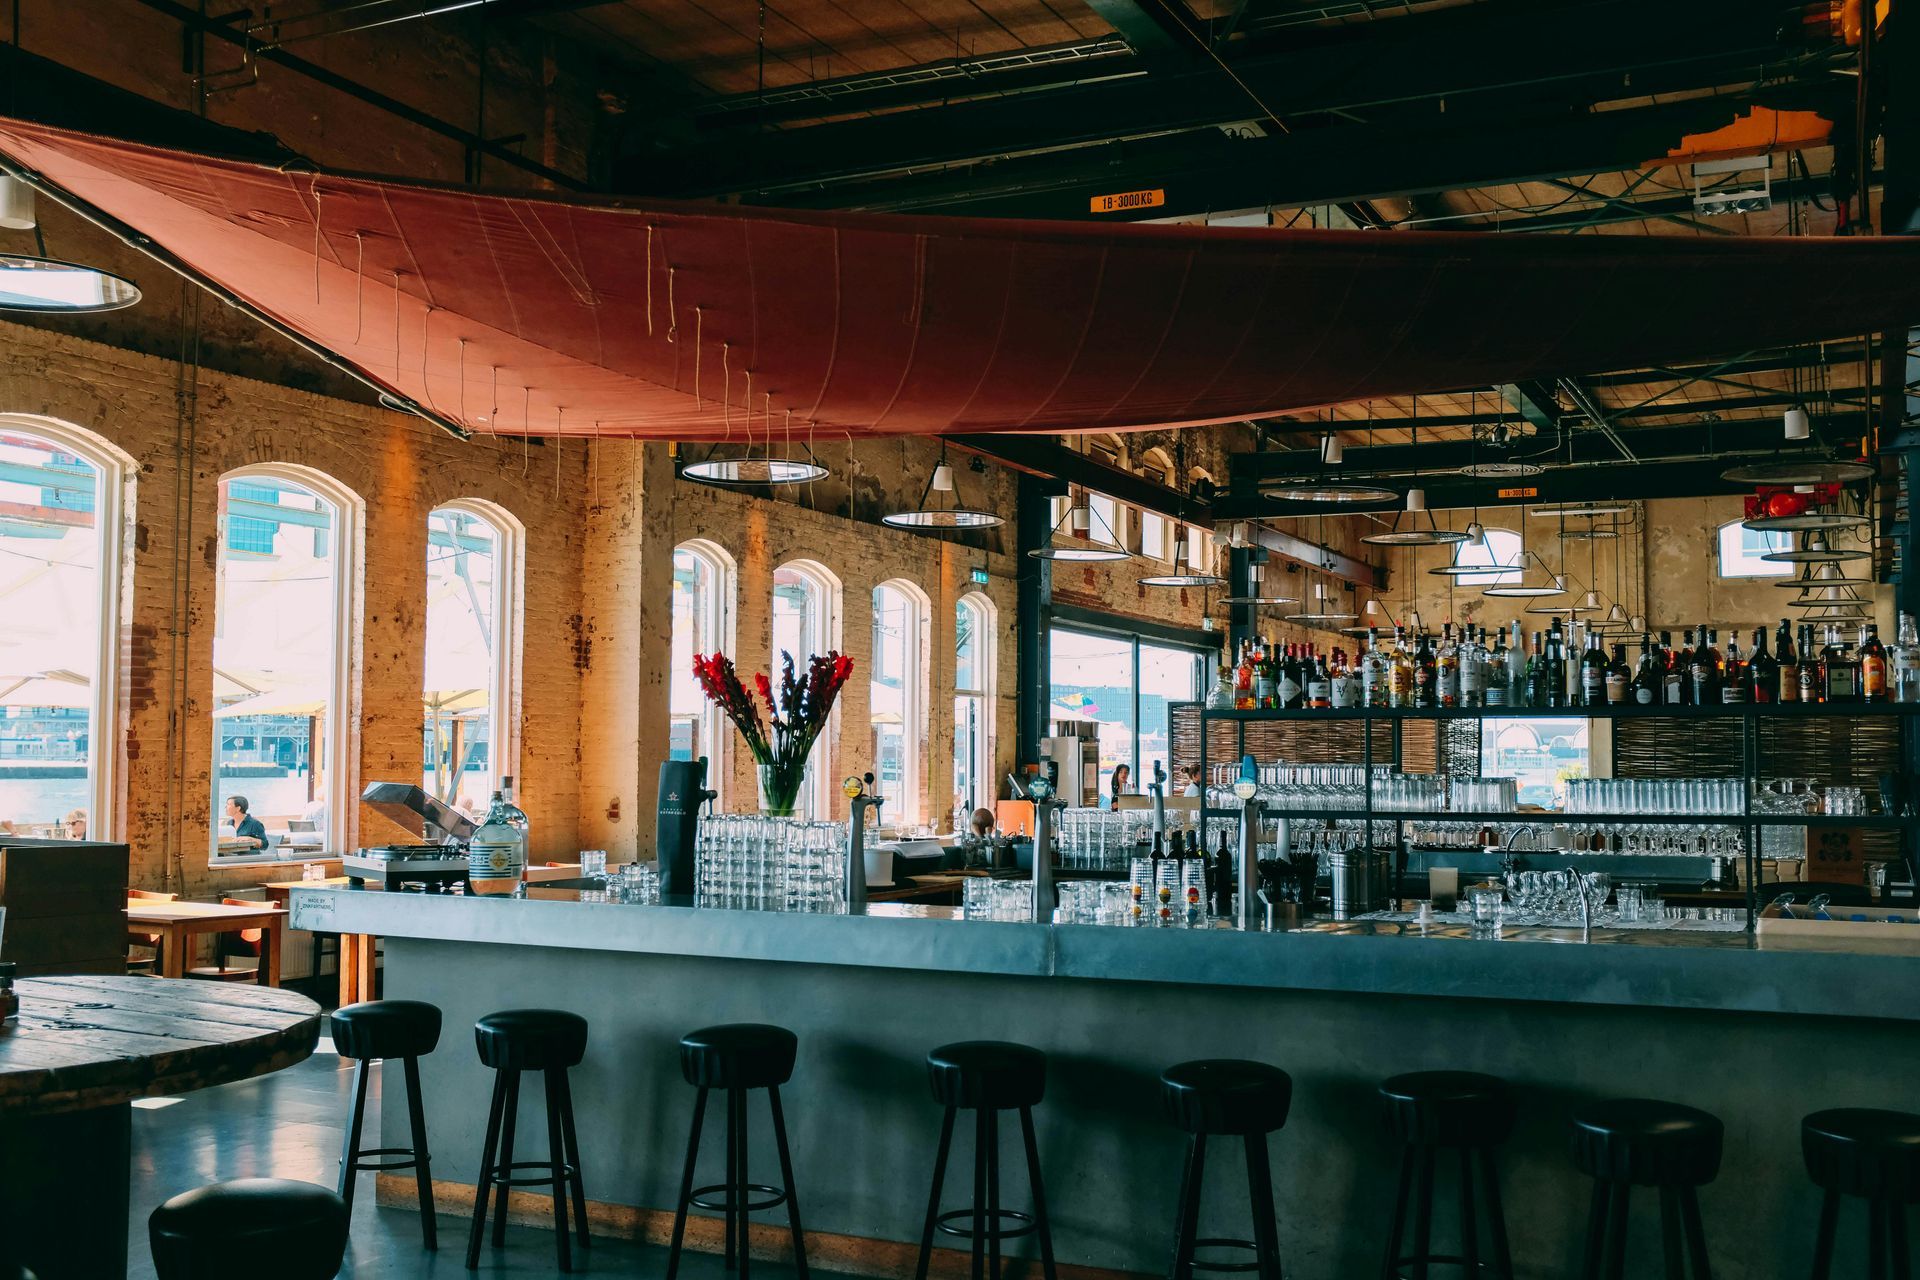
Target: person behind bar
1191	772
245	825
1122	777
982	822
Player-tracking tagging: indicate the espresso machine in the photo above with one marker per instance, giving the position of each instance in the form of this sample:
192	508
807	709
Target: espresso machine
676	827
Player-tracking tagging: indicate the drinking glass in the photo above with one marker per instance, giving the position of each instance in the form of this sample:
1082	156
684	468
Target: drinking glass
1484	903
1012	899
976	901
593	863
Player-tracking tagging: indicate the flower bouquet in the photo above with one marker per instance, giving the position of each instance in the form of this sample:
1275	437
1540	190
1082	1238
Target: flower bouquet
797	716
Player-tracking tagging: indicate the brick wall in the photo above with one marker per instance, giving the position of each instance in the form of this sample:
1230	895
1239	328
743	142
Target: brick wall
182	437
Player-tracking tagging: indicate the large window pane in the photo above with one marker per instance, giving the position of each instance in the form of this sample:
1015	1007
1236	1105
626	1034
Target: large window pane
800	604
1166	675
274	661
894	704
974	784
463	658
50	645
702	592
1091	679
1540	752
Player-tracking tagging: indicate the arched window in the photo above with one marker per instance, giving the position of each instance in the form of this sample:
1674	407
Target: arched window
806	621
473	652
703	587
1108	514
285	630
897	697
1499	547
975	663
63	557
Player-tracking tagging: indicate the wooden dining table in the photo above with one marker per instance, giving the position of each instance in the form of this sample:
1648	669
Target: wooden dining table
82	1049
178	923
359	952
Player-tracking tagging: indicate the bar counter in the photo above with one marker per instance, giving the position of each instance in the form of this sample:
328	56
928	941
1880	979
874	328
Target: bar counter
1758	1036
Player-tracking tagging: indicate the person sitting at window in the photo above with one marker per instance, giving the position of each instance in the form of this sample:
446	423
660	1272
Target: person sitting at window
245	826
1122	778
77	825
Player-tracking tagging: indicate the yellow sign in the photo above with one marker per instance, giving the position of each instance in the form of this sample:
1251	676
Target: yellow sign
1527	492
1120	201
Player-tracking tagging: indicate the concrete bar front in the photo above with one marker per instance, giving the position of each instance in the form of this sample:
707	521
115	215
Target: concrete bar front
1757	1037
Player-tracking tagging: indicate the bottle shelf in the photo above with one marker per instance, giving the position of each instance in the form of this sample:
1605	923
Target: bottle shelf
1612	711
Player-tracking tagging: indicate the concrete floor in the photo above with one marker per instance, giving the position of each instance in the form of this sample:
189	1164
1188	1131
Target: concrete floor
289	1125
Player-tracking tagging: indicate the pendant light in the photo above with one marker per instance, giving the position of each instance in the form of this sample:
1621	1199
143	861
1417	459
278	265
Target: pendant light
41	284
1253	596
1416	506
940	509
1535	581
1814	549
1078	520
1186	572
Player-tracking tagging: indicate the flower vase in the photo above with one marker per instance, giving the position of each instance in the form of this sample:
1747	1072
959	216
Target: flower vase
780	790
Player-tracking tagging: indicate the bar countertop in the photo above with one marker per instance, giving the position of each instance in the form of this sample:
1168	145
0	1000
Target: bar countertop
1681	970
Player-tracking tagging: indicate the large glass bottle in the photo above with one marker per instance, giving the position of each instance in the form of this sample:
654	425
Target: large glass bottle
1874	685
1905	662
1446	669
497	852
1841	669
1733	674
1473	669
1788	669
1649	678
1706	669
1538	681
1498	678
1402	669
1619	677
1680	674
1426	685
1813	676
1593	674
1763	670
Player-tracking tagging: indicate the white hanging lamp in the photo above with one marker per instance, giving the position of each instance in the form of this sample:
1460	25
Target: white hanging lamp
940	509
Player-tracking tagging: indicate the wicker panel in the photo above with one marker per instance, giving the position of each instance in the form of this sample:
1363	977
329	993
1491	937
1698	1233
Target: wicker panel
1835	751
1292	741
1677	748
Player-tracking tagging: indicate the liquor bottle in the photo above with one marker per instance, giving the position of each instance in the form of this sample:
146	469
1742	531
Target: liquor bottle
1376	681
1905	662
1516	669
1842	671
1425	685
1763	685
1874	685
1683	669
1319	683
1593	674
497	851
1537	678
1557	666
1401	665
1243	696
1497	675
1446	669
1343	687
1813	677
1788	674
1619	677
1293	679
1223	879
1706	669
1473	670
1575	650
1265	676
1734	676
1650	677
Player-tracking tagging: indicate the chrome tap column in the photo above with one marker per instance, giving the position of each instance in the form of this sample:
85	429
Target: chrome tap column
858	802
1044	803
1247	913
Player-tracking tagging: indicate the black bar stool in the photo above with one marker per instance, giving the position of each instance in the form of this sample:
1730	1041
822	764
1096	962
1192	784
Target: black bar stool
987	1077
388	1029
736	1058
1463	1111
547	1041
1227	1097
1631	1142
1874	1155
248	1228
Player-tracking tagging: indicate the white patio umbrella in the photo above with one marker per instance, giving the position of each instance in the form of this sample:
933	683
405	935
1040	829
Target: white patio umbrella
46	689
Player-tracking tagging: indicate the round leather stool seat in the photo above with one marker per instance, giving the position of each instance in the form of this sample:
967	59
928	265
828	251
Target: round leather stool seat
739	1055
241	1230
1647	1143
1858	1151
1226	1095
386	1029
1449	1108
531	1040
994	1075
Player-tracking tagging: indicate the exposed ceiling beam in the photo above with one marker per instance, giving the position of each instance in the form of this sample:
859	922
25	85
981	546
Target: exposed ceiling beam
1162	32
1041	456
1608	47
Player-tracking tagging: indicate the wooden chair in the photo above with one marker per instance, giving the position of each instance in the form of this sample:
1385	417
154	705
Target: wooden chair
241	943
147	964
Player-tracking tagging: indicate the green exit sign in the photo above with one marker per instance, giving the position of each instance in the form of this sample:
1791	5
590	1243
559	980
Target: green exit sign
980	577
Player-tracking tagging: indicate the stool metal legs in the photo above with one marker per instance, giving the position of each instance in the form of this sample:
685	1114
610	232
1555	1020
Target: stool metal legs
1887	1253
353	1156
736	1201
1680	1229
1417	1164
1266	1239
560	1171
986	1219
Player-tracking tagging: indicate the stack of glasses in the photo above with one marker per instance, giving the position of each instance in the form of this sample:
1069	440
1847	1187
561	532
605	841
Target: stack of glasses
1686	796
770	864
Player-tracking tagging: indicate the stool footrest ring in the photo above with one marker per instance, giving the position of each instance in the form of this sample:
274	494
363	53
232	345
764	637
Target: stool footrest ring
1218	1243
551	1173
944	1223
1452	1259
361	1165
701	1197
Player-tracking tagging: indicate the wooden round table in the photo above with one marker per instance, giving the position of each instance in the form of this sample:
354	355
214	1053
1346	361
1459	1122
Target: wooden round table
83	1049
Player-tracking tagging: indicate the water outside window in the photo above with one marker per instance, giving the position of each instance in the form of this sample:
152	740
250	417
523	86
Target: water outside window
50	581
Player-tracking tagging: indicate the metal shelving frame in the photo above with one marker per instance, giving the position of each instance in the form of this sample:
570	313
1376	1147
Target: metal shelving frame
1750	715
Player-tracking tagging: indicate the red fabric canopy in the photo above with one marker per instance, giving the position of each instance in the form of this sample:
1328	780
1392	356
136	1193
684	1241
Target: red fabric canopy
542	314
